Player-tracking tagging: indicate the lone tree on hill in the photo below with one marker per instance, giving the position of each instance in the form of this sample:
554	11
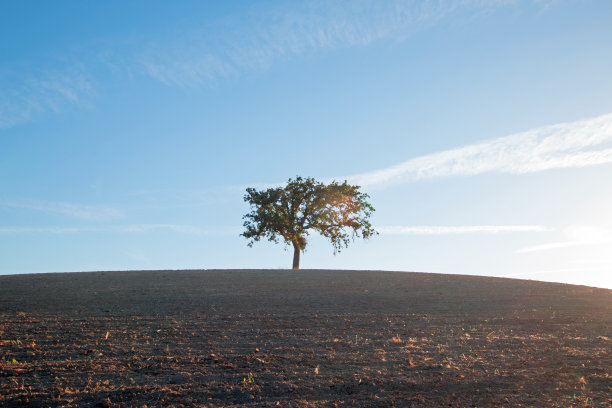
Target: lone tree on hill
339	212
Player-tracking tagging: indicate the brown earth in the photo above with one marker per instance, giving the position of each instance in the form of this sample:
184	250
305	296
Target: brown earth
301	339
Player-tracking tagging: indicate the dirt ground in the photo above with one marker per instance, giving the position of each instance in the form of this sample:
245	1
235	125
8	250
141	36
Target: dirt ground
301	339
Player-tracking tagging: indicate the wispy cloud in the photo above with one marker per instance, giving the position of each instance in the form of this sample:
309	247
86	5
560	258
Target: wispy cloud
597	261
252	40
575	144
79	211
255	40
130	228
452	230
551	245
576	236
43	92
597	276
558	271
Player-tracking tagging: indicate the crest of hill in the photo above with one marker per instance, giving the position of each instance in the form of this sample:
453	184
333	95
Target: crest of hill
178	292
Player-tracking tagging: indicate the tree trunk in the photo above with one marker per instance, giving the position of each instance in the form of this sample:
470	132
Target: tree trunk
296	256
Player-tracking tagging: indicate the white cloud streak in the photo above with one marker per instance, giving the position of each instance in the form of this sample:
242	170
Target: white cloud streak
575	144
130	228
454	230
551	245
79	211
577	236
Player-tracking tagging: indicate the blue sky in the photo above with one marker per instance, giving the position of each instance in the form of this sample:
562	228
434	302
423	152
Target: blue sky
482	131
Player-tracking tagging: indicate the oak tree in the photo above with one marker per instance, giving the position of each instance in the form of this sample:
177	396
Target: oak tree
337	211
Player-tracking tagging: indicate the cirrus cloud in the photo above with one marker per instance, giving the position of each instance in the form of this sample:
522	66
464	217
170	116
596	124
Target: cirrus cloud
73	210
453	230
581	143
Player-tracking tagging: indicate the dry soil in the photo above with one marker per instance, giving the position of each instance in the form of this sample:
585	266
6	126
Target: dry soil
311	338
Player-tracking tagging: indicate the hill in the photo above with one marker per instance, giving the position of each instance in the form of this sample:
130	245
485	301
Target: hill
301	338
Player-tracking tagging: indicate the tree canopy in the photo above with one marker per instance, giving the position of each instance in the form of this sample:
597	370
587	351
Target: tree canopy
339	212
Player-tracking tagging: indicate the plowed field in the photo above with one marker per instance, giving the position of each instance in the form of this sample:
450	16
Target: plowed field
301	339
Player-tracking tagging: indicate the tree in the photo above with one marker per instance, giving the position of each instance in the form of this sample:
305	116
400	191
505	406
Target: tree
338	212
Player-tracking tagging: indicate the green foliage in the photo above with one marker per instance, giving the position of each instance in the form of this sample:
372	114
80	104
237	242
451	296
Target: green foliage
339	212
